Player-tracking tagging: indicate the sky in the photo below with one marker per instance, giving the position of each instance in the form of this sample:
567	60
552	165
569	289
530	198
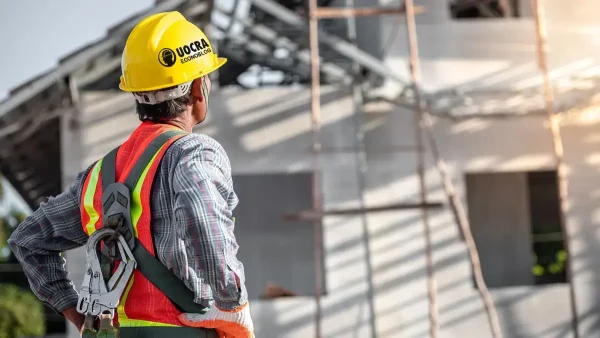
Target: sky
33	39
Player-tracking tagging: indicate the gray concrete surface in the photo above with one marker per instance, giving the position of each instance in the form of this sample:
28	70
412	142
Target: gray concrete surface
500	221
269	130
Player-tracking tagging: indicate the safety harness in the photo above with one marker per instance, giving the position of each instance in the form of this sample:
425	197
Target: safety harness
122	252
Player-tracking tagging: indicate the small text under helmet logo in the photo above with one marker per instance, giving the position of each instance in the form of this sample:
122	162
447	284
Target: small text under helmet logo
166	57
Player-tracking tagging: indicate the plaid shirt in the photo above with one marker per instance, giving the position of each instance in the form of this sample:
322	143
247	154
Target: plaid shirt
192	203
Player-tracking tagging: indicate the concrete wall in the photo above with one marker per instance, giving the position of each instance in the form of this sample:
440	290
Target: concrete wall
261	221
269	130
475	53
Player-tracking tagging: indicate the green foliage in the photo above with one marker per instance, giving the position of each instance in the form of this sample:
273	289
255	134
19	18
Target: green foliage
21	313
8	224
4	234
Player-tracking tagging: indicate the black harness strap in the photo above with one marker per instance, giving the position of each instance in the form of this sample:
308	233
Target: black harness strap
108	172
156	272
108	169
164	279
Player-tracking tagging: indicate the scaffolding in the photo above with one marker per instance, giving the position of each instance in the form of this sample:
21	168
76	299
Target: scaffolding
557	146
424	133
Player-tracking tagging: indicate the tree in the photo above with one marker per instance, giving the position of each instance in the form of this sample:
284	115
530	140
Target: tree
8	223
21	313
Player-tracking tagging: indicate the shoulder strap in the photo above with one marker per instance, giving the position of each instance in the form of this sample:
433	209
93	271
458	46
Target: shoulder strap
109	163
147	156
156	272
109	168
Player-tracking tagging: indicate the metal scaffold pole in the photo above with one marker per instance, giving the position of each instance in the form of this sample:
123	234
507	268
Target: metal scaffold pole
460	216
315	108
361	170
420	109
561	169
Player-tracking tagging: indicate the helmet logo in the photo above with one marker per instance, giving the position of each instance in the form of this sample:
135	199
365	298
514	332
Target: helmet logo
166	57
193	50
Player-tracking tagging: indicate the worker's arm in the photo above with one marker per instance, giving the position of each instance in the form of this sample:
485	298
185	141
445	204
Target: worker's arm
37	243
203	196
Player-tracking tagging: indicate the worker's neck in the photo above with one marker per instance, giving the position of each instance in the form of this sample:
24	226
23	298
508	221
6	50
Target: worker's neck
186	124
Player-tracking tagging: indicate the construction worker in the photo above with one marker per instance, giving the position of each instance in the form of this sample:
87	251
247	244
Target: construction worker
165	199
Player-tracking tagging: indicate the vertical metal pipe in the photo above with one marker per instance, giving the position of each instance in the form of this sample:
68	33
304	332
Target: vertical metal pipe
315	108
361	169
542	50
416	79
455	204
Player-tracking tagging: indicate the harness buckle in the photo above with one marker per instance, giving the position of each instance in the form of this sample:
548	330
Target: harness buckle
116	212
98	299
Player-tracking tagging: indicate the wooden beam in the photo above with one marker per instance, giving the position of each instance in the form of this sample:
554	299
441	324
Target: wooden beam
541	37
317	215
344	12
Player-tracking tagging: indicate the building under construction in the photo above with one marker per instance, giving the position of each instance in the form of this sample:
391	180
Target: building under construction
333	207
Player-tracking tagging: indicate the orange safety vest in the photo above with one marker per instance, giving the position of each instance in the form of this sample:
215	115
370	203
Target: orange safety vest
142	303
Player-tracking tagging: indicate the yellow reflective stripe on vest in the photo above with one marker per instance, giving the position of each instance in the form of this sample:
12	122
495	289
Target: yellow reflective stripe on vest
88	199
136	199
136	213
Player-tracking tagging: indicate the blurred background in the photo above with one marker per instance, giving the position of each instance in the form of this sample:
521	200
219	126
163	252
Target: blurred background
333	240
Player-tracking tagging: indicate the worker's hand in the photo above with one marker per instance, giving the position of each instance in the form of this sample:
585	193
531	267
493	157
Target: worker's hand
75	318
229	324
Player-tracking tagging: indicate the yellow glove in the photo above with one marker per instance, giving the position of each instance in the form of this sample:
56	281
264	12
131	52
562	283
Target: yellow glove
229	324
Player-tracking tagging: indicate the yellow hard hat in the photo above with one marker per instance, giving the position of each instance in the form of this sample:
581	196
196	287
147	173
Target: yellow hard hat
165	50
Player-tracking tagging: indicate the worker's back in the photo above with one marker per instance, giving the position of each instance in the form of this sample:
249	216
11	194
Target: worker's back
154	208
167	234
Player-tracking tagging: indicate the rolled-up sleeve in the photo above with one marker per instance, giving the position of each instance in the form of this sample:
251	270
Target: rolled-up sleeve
202	189
38	242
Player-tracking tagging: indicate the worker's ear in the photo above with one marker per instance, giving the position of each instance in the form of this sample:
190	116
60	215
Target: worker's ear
197	92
